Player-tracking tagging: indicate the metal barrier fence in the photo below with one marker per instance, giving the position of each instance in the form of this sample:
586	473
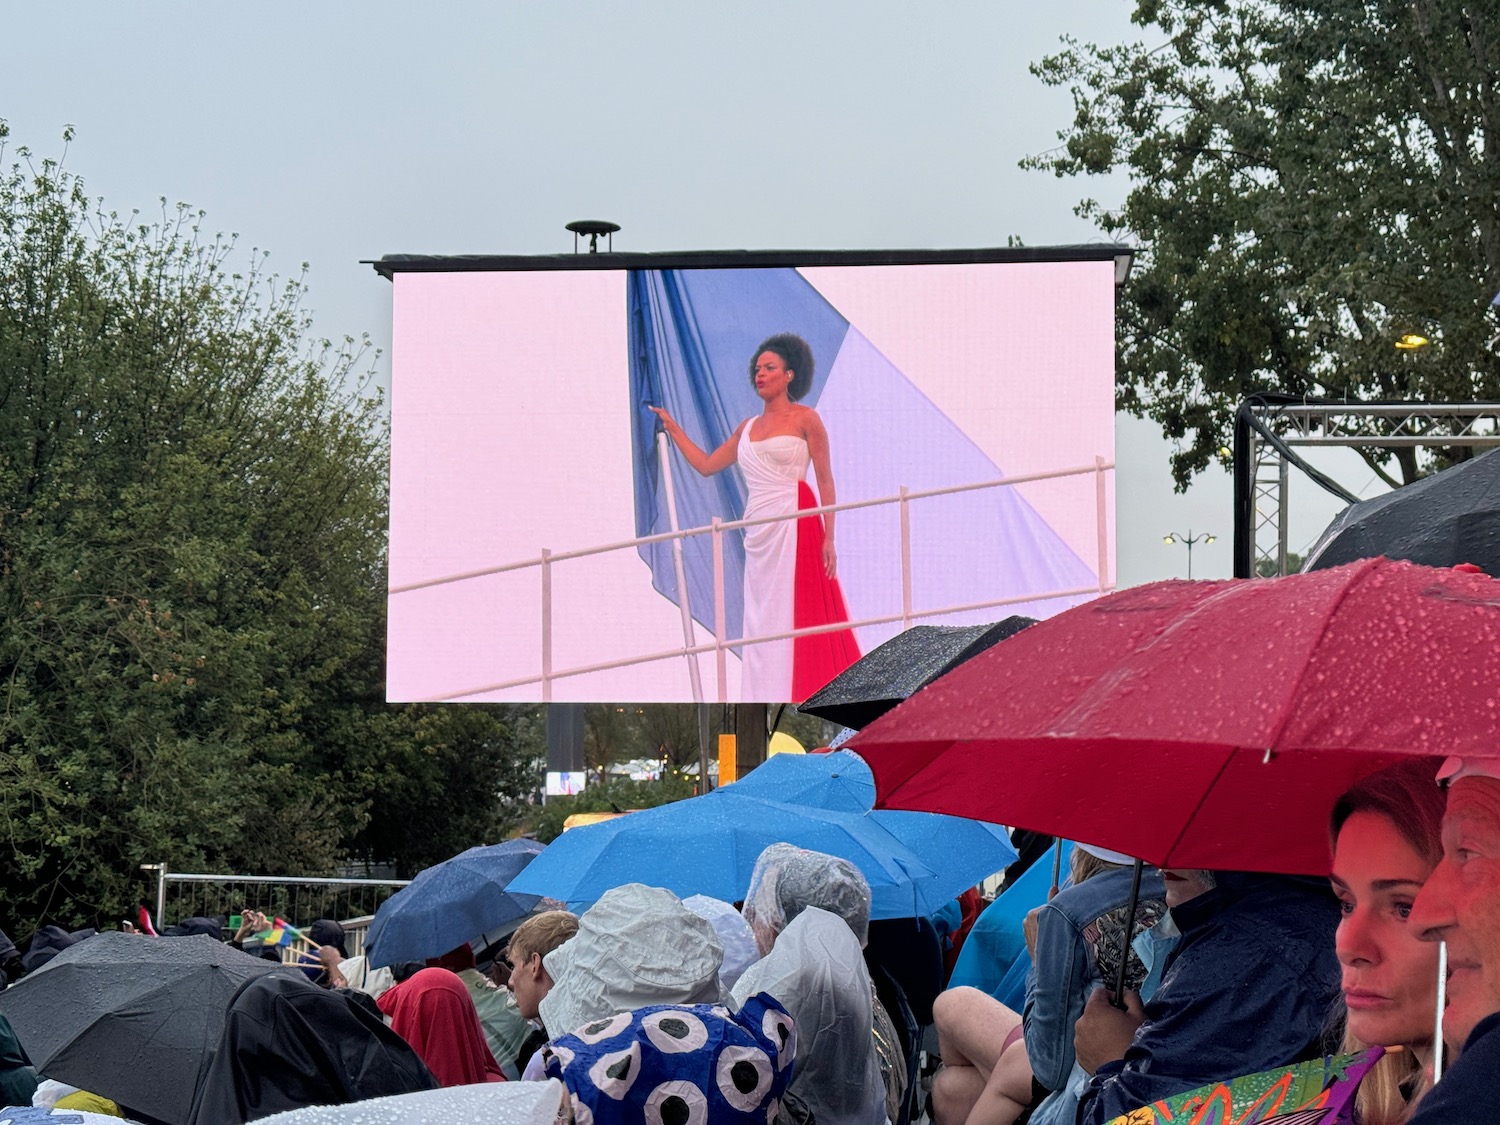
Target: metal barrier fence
298	900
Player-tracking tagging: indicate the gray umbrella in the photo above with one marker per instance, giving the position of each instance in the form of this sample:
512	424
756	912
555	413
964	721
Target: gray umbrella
905	664
1445	519
133	1019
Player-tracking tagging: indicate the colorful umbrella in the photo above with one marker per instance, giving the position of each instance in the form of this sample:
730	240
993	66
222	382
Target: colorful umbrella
1319	1092
1205	724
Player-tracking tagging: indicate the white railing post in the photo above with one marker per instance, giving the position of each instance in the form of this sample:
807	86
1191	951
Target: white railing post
1101	503
721	670
546	625
905	503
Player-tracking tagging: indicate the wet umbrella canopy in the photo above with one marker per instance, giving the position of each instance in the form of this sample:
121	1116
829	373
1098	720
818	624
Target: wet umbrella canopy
902	666
502	1103
131	1018
1205	724
451	902
914	862
1445	519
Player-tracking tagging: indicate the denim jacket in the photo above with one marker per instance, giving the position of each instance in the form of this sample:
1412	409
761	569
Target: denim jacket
1064	973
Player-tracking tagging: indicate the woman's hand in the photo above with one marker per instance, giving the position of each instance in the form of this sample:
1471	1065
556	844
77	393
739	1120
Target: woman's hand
830	558
667	421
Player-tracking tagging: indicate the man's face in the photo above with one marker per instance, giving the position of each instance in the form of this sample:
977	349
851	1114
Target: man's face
528	984
1460	904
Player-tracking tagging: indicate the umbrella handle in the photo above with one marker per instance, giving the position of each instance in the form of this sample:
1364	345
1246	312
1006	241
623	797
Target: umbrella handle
1135	897
1442	1002
1056	869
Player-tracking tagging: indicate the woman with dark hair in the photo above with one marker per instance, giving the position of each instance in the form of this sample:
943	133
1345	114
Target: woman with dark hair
790	565
1386	833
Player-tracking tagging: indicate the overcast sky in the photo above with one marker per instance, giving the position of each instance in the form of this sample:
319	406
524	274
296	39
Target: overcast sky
328	133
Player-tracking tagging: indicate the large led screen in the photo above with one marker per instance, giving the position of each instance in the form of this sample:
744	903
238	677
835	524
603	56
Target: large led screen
535	491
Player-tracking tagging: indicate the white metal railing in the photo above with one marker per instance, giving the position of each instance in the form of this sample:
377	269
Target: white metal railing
721	644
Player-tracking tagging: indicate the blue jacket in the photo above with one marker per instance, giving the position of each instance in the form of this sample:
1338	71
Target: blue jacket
1468	1091
1064	974
1248	988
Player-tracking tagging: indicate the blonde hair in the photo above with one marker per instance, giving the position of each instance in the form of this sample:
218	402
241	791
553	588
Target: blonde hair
1381	1098
1085	864
541	933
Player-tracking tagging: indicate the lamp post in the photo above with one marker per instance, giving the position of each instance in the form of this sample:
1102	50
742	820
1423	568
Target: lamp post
1189	540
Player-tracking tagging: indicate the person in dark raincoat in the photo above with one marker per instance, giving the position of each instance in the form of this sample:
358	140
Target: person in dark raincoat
1248	988
288	1043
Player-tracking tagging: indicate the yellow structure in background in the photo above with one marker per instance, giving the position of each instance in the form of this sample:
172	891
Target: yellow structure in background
580	819
728	763
783	743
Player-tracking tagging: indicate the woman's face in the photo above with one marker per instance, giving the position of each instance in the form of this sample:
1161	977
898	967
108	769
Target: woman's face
1390	976
772	377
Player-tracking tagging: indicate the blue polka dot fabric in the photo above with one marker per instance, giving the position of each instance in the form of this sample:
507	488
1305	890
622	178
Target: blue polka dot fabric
695	1064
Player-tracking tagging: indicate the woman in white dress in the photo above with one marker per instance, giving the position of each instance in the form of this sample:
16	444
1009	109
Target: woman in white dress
773	452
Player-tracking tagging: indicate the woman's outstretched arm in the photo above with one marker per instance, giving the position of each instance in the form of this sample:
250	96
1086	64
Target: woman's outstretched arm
705	463
817	447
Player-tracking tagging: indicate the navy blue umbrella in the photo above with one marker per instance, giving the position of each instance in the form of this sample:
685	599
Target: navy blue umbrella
451	902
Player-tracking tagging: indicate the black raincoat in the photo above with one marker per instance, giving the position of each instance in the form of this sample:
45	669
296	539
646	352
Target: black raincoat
289	1044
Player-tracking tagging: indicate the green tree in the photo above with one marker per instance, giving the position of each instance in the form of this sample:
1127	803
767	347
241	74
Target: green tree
422	786
1309	181
192	573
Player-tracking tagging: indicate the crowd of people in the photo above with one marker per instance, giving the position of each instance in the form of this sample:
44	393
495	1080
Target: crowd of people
793	1006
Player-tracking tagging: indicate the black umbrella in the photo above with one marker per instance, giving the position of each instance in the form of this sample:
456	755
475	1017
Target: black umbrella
902	666
133	1019
1445	519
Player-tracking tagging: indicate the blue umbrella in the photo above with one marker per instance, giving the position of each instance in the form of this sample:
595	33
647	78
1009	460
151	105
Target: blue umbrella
708	846
839	781
960	852
914	862
451	902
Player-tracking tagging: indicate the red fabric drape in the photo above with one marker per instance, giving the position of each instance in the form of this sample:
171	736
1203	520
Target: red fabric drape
818	600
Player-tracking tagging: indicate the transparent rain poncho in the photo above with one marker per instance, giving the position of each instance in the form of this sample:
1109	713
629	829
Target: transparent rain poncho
817	972
788	879
637	946
734	933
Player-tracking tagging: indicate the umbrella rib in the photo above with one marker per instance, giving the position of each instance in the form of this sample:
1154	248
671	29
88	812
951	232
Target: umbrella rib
1197	808
1288	708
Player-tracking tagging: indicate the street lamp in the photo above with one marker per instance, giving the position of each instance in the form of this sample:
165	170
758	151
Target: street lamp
1189	539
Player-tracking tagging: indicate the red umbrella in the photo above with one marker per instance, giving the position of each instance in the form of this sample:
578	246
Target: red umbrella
1205	724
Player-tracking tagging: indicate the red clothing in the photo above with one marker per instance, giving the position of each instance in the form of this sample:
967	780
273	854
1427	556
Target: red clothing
432	1011
818	600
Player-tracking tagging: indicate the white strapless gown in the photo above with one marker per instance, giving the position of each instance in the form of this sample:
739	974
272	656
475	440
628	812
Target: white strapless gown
772	469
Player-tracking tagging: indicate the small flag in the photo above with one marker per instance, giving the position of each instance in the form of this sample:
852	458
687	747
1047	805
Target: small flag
280	933
144	916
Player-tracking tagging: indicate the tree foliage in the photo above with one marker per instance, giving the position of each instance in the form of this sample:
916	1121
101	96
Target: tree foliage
192	574
1309	181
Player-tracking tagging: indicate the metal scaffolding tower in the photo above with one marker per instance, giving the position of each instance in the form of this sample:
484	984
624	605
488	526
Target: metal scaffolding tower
1269	427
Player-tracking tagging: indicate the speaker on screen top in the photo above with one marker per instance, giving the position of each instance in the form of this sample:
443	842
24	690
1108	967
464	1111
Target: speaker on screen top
593	228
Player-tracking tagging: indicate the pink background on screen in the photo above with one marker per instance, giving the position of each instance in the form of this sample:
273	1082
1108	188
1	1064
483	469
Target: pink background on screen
509	433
